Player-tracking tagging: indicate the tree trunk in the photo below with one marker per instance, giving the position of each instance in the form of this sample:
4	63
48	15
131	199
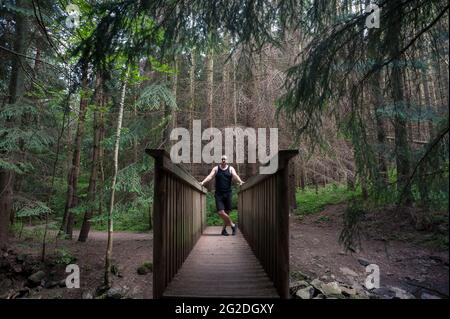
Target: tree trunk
165	138
92	188
113	185
72	179
6	194
210	85
378	103
191	90
235	102
302	176
16	90
150	217
174	90
100	159
292	187
428	102
402	148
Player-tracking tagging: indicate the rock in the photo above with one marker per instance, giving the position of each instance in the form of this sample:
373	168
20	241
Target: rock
62	283
331	289
298	275
324	278
293	287
6	283
299	283
35	279
348	291
402	294
29	268
21	258
319	296
145	268
87	295
383	292
52	284
142	270
364	262
429	296
22	293
115	293
316	283
347	271
17	269
360	296
101	290
305	293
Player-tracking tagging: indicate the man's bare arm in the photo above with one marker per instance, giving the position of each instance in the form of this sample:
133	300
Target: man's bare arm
210	176
236	176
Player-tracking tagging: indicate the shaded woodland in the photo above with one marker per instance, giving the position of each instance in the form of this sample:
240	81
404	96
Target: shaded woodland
83	94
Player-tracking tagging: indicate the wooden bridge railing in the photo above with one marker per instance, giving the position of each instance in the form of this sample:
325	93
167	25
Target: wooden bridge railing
179	218
263	206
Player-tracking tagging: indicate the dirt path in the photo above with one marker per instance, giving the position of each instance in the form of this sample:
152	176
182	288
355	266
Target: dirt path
315	251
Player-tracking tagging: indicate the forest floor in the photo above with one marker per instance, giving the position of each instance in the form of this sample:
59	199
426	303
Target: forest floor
406	260
406	264
130	251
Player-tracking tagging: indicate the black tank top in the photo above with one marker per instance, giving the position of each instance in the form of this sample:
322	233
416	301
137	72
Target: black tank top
223	180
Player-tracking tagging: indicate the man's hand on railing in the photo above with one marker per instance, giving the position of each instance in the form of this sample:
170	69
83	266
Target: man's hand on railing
241	183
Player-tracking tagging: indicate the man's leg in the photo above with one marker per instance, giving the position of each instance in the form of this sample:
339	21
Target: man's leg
227	212
226	219
228	208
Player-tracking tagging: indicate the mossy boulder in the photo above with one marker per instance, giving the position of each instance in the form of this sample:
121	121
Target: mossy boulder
145	268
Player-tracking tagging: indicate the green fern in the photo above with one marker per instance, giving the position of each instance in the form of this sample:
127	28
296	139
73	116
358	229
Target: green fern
32	209
154	97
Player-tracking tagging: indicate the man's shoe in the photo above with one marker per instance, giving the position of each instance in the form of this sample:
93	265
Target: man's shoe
224	232
234	229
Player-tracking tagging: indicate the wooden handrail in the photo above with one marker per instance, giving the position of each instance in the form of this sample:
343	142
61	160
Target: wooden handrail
178	170
282	157
179	218
263	205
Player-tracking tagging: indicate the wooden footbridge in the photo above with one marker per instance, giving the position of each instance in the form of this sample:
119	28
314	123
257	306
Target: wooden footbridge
193	260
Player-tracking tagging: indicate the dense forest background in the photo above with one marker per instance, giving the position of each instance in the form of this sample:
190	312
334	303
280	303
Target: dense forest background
85	89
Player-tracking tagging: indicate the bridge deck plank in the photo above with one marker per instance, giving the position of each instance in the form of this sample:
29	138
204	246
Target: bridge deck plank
221	266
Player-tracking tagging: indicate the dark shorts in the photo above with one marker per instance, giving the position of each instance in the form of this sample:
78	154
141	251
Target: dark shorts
223	201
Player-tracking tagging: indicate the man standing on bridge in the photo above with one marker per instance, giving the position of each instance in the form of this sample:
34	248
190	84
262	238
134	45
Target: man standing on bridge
224	174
